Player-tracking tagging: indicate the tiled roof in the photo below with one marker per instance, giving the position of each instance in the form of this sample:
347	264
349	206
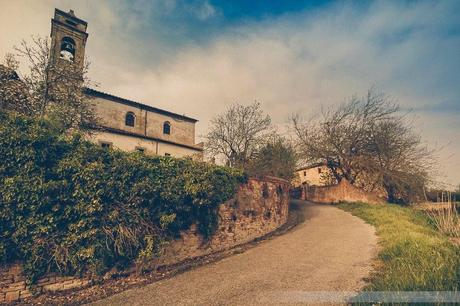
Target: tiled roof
7	74
311	166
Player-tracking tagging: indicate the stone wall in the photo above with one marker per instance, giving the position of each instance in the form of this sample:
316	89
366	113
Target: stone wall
343	192
13	284
258	208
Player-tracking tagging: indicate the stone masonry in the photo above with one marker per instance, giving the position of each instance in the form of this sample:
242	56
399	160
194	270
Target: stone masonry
258	208
343	192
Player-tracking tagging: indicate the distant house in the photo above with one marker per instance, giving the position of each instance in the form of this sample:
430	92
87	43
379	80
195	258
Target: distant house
313	175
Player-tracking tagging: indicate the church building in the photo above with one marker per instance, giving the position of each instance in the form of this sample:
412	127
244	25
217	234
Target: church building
125	124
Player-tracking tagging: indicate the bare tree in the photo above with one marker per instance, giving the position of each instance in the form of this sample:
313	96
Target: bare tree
238	133
56	91
398	160
368	142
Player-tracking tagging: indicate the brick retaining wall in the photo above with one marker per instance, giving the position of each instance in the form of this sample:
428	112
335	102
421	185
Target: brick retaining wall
258	208
13	284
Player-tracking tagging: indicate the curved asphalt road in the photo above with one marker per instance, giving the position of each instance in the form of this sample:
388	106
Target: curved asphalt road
330	251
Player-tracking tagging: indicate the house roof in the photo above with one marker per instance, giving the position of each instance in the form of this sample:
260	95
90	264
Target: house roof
311	166
7	74
104	95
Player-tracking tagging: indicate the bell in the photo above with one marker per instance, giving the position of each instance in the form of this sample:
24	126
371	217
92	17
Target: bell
66	55
67	47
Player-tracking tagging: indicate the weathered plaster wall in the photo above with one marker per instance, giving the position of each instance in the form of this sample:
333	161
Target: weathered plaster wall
147	123
258	208
343	192
313	176
152	147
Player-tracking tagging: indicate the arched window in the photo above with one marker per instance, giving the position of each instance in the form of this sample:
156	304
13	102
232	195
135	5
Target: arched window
67	49
130	119
167	128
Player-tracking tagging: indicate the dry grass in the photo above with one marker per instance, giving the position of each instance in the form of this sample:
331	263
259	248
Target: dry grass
414	254
446	221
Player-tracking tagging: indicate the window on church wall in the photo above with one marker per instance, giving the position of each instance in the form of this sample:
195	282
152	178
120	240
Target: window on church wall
67	49
167	128
105	144
130	119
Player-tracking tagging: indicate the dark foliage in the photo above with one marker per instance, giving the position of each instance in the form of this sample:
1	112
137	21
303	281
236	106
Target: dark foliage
276	158
68	205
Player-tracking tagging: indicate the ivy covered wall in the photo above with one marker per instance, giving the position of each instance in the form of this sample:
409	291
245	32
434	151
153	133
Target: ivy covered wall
69	206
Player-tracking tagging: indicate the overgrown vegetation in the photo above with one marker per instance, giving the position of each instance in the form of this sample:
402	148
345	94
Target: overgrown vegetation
276	158
68	205
414	255
243	137
370	143
238	133
50	88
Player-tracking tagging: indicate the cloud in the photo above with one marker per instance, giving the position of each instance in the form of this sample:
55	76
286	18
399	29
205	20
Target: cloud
293	62
206	11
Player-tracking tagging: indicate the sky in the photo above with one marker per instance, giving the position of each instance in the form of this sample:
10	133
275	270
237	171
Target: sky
292	56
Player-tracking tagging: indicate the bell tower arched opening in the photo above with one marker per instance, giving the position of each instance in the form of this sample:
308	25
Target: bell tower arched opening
67	49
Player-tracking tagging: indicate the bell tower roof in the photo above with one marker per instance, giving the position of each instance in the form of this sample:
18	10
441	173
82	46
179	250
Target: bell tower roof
69	20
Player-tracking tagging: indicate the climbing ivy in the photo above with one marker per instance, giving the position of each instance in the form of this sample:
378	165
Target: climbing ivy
70	206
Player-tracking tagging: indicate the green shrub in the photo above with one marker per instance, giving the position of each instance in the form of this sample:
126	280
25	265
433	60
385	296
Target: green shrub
70	206
276	158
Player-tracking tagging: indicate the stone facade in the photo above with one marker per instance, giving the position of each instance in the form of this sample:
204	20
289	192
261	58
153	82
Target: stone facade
259	207
145	130
343	192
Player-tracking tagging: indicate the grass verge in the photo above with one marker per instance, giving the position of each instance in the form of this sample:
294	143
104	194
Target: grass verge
413	255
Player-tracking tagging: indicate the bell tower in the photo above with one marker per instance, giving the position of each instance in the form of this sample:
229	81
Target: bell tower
68	38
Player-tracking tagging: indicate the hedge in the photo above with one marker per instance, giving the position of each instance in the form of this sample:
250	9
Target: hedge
69	206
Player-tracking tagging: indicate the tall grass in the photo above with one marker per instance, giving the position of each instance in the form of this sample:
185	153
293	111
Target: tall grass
446	221
414	256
